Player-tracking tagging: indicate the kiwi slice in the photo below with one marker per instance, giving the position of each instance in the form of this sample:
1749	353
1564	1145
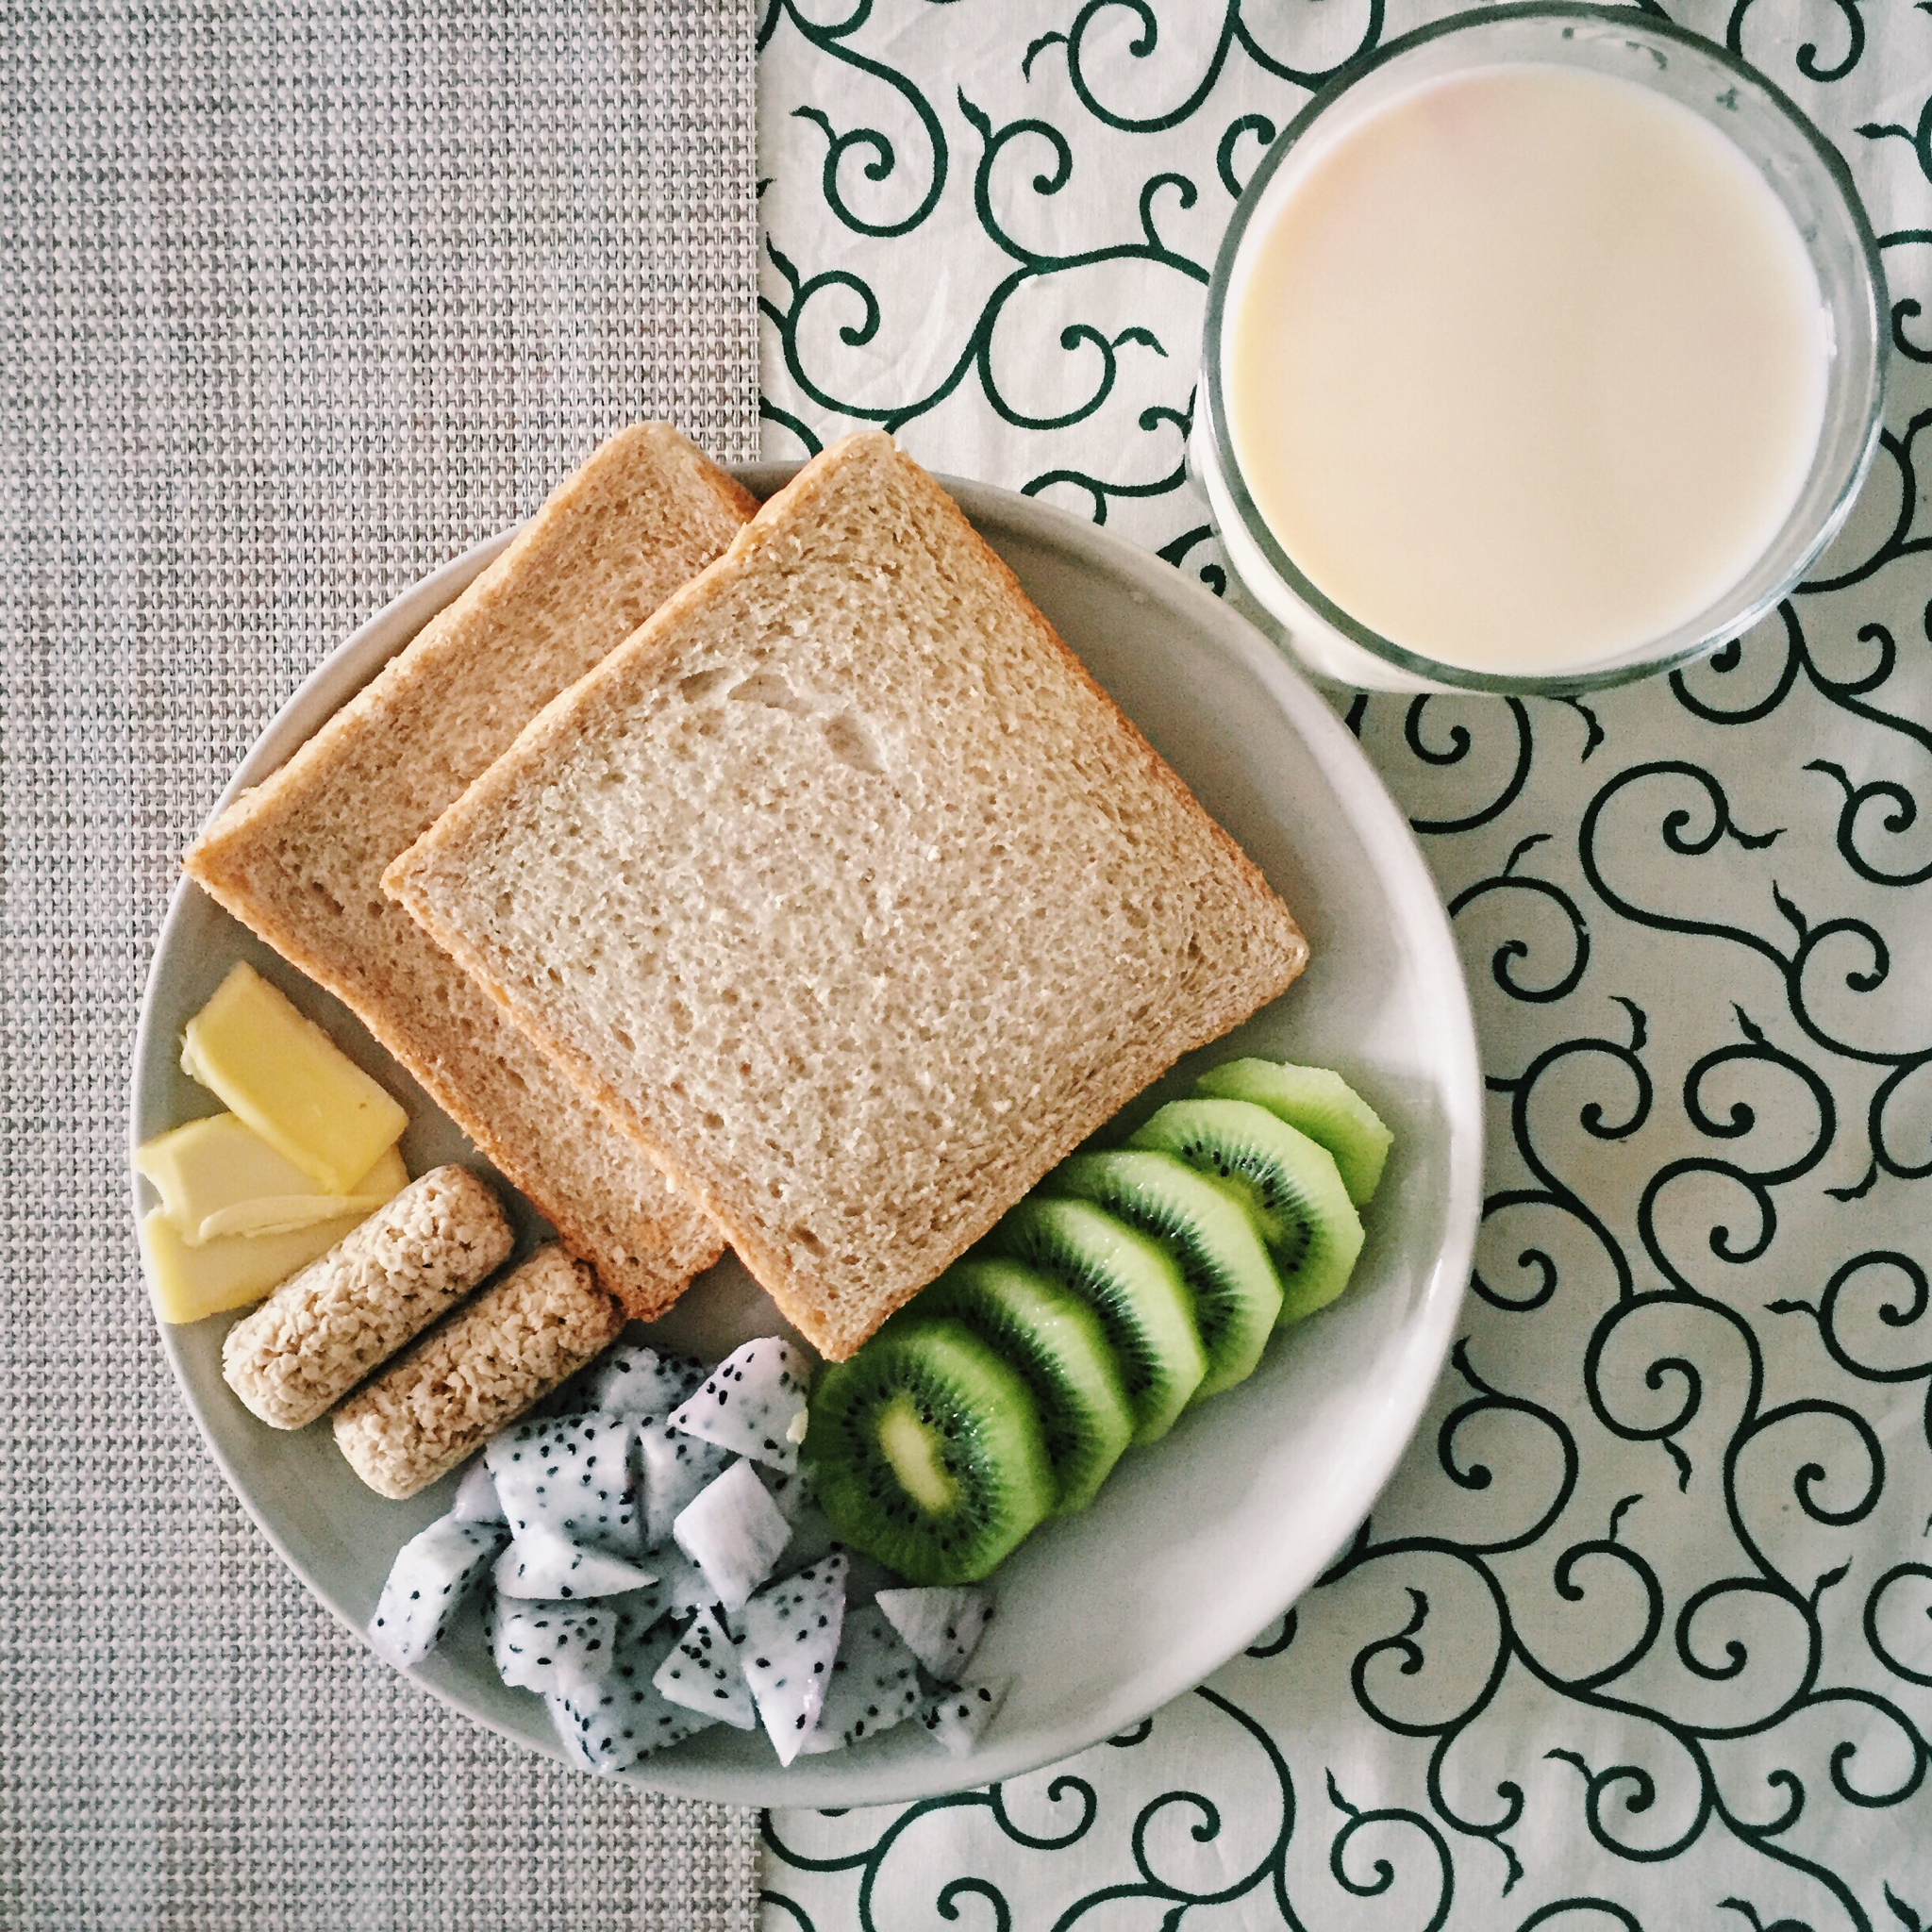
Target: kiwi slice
1321	1104
1288	1182
1057	1342
926	1451
1133	1287
1237	1292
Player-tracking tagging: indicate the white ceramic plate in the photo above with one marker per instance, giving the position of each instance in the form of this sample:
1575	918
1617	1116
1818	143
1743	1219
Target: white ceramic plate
1195	1544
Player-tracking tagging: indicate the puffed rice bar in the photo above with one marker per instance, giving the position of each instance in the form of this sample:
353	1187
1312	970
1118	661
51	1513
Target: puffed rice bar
475	1372
383	1283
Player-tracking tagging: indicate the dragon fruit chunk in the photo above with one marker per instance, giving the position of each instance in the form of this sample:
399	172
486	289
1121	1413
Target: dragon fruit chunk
577	1751
793	1495
812	1535
675	1469
570	1474
875	1684
961	1714
791	1492
942	1628
734	1533
701	1671
685	1585
679	1589
754	1403
536	1644
642	1382
791	1638
428	1583
638	1613
617	1714
541	1563
476	1499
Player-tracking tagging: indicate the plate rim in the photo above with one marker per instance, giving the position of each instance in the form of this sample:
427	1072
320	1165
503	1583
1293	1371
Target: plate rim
1424	1350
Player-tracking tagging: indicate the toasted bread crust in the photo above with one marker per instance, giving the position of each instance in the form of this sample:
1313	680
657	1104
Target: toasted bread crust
298	858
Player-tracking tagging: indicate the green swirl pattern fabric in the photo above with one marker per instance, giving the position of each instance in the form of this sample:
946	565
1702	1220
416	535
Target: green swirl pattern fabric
1640	1637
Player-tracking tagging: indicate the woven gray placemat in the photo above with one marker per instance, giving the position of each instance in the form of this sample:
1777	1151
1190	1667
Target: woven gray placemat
298	300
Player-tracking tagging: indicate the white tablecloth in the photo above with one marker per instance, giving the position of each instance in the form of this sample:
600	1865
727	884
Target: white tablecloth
1639	1636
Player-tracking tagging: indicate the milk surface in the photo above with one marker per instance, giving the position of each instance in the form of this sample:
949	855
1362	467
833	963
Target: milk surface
1526	369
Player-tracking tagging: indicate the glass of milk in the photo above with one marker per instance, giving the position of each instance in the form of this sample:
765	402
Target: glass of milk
1545	350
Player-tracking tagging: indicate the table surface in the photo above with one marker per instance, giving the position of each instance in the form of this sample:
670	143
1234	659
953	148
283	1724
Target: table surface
1641	1633
300	299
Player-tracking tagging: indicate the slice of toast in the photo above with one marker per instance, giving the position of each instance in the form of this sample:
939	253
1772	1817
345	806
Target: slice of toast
299	858
846	890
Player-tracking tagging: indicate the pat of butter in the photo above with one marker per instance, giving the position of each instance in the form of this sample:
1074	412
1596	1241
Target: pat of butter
218	1177
290	1082
283	1213
189	1282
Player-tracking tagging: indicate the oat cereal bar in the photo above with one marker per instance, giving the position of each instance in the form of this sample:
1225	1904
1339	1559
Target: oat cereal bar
475	1372
383	1283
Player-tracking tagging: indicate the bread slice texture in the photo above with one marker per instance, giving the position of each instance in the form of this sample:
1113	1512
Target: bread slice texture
299	858
848	892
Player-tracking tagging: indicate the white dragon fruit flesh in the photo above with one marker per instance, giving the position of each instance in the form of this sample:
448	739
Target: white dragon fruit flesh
791	1639
754	1402
875	1684
675	1468
678	1589
792	1493
956	1718
428	1583
536	1644
477	1499
685	1585
541	1563
640	1611
942	1628
734	1533
642	1382
577	1752
701	1671
609	1713
570	1474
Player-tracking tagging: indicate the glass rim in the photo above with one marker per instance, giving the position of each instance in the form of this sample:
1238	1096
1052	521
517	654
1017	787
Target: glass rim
1623	669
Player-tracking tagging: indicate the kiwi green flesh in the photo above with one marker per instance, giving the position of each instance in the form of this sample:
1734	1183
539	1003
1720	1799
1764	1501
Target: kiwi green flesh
1321	1104
1057	1342
1133	1287
926	1451
1288	1183
1236	1291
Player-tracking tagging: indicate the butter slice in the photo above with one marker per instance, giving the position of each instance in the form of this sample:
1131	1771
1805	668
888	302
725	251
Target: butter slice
218	1177
191	1282
283	1213
289	1080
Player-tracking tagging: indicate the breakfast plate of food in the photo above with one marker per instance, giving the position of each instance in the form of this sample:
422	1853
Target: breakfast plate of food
809	1136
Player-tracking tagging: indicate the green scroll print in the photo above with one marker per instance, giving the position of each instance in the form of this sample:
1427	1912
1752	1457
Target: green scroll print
1641	1636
